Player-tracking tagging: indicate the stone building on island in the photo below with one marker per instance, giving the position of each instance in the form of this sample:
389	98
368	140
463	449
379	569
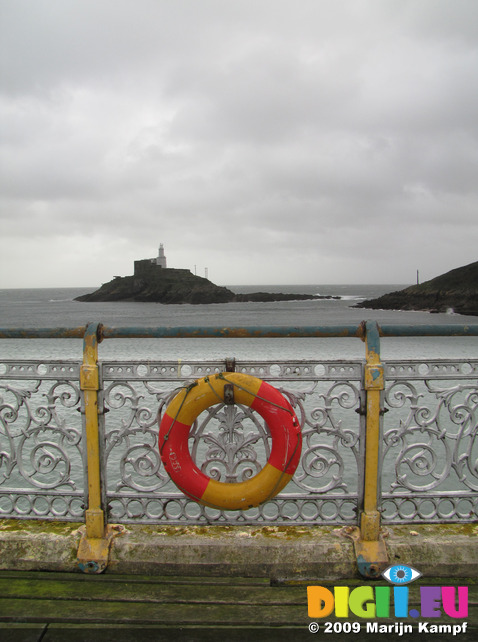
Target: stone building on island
148	267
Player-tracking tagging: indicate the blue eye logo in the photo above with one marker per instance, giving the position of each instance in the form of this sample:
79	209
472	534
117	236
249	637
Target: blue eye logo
401	574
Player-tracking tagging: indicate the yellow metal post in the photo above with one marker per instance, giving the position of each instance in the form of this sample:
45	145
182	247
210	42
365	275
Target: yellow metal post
370	548
89	383
96	538
374	384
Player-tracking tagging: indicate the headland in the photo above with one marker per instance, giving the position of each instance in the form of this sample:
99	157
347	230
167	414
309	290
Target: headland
455	291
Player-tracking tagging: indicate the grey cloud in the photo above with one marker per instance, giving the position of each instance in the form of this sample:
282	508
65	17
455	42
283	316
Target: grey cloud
343	134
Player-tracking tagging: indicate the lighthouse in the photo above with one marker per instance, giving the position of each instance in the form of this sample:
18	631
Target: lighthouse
161	259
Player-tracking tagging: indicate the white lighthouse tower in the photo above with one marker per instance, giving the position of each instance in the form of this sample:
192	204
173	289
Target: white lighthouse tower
161	259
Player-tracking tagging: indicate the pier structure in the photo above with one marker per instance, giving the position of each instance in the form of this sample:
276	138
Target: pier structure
387	476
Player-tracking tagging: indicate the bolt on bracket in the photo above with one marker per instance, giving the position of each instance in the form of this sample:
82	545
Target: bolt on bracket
229	394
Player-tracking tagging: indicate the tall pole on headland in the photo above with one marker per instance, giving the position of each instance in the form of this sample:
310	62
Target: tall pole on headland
418	278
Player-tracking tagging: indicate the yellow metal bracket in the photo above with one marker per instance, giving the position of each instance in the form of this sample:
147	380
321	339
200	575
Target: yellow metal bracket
89	377
374	379
371	555
94	552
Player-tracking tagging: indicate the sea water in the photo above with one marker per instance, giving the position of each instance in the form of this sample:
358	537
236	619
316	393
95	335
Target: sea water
56	307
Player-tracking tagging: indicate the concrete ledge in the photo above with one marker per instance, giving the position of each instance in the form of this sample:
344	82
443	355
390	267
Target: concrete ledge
30	545
249	551
440	550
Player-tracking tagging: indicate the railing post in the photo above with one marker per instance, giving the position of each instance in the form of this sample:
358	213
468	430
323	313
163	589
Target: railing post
370	548
89	384
93	551
374	385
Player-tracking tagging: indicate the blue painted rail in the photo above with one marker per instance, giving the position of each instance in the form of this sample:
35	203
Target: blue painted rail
259	332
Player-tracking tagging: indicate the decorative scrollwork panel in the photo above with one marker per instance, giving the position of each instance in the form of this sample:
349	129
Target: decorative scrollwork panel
231	443
41	449
430	444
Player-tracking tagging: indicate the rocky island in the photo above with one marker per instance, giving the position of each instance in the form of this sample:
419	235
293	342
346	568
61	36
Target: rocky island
456	290
154	282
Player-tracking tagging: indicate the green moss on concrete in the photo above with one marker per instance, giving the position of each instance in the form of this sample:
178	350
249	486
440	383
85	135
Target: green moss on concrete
433	530
35	527
214	531
268	550
38	545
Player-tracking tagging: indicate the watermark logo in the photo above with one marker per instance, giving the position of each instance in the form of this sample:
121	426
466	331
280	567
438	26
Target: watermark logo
401	574
374	602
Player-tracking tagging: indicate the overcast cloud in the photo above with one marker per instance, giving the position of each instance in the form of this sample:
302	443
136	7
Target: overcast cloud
272	141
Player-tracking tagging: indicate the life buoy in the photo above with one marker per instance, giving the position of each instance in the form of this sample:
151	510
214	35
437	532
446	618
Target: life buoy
249	391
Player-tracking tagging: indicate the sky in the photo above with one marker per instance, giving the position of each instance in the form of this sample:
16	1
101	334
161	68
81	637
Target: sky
269	141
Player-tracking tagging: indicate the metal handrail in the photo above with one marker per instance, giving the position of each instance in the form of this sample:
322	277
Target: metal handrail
258	332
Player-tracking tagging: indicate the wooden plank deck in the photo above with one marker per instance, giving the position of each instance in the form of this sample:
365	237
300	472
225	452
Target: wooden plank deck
53	607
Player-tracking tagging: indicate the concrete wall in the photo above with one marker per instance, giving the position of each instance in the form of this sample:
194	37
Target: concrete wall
276	552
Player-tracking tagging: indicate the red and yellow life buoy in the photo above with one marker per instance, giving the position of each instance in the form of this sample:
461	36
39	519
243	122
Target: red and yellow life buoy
249	391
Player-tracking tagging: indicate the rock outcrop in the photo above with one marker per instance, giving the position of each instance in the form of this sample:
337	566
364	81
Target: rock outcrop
264	297
165	285
456	290
169	285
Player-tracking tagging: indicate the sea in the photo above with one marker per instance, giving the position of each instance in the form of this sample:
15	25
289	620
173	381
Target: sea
56	307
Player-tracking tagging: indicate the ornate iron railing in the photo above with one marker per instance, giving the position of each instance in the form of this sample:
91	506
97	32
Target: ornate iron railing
42	463
383	443
231	443
430	441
